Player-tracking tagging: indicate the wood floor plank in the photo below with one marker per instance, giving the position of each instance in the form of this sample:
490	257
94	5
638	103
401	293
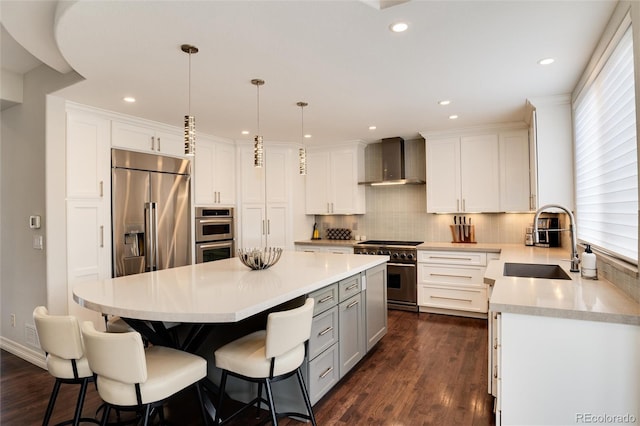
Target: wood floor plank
428	370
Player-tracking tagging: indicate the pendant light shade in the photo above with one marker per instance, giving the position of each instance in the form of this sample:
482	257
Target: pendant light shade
258	146
302	154
189	120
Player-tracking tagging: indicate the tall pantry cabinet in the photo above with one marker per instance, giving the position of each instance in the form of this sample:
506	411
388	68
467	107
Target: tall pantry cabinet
266	204
88	202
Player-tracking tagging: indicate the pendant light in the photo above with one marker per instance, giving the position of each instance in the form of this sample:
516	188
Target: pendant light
302	154
189	120
258	146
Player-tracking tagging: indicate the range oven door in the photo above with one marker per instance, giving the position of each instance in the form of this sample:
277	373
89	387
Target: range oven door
402	290
208	252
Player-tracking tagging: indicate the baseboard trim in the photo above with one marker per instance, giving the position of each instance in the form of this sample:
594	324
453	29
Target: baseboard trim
34	357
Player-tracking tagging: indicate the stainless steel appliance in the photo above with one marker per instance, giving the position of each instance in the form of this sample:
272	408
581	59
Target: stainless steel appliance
548	235
214	233
402	278
150	210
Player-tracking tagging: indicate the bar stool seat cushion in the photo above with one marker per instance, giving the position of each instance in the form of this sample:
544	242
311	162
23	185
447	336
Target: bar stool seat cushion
168	371
247	356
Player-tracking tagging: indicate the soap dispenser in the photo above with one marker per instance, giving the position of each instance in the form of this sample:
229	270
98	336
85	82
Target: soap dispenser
589	269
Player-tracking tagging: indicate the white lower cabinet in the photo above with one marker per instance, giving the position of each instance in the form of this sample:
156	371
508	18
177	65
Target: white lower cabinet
338	249
452	282
560	371
351	318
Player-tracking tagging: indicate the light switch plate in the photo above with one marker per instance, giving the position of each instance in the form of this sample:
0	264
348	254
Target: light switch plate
38	242
34	222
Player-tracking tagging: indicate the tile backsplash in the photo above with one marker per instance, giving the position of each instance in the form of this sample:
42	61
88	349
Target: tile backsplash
399	212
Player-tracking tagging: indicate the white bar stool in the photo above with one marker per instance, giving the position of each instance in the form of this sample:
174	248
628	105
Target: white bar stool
268	356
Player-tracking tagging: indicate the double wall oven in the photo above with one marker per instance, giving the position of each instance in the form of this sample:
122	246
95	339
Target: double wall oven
402	278
214	233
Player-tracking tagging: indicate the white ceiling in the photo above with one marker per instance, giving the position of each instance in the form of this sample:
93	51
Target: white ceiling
339	56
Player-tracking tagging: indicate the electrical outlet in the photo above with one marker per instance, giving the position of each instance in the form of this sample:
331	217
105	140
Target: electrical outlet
13	320
354	226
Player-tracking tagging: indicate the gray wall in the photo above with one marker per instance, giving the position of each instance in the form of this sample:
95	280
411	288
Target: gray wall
23	279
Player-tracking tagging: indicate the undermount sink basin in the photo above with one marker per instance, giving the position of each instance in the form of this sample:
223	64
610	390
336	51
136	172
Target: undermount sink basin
535	270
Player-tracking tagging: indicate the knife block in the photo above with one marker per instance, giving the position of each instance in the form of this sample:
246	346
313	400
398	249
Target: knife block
463	233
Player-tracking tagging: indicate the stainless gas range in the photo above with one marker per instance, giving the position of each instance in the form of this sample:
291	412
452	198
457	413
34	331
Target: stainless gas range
402	281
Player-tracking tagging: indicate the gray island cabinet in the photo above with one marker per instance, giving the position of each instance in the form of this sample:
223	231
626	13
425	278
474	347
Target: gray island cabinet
350	317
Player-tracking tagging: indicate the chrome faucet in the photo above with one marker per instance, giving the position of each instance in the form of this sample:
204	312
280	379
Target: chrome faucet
575	260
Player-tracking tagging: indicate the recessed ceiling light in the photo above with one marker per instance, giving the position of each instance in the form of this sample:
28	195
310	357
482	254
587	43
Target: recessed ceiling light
546	61
307	136
129	99
399	27
245	132
453	117
372	127
444	102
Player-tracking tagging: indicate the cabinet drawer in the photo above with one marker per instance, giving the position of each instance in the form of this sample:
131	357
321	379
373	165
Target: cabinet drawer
325	298
452	257
349	287
461	275
457	298
324	332
323	373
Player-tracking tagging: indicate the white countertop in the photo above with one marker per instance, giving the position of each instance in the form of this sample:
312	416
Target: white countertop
578	298
220	291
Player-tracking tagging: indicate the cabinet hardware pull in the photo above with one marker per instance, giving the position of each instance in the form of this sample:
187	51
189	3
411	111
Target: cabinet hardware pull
452	298
450	258
101	188
153	143
101	236
452	276
457	204
159	144
328	210
352	304
326	299
331	207
495	343
263	227
268	226
495	372
325	331
352	286
327	371
464	205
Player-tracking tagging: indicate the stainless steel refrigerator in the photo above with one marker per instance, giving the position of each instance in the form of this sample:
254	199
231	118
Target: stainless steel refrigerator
150	211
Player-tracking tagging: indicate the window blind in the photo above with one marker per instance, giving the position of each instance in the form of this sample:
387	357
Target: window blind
606	156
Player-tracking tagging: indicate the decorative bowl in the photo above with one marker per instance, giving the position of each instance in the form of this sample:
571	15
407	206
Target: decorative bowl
257	259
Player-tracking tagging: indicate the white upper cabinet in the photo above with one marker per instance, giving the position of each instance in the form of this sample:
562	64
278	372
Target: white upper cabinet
514	171
214	172
486	172
88	161
462	174
332	180
140	137
551	152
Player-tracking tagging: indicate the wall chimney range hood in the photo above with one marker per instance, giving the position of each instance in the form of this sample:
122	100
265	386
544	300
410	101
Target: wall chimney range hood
394	165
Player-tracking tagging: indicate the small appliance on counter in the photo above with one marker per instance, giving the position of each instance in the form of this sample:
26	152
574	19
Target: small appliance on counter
548	232
528	236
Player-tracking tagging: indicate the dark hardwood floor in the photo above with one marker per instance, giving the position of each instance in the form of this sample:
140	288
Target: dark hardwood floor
428	370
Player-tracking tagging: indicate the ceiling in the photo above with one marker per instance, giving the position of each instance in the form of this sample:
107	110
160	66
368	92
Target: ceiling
339	56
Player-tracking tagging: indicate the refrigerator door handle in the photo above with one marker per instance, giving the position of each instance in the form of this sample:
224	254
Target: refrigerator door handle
151	232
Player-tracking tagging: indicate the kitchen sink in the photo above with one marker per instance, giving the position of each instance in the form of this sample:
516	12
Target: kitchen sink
535	270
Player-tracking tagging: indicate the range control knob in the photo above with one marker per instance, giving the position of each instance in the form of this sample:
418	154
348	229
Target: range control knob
410	256
372	252
395	255
403	256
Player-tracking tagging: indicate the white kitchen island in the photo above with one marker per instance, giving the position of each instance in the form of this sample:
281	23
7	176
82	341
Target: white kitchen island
218	292
222	300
